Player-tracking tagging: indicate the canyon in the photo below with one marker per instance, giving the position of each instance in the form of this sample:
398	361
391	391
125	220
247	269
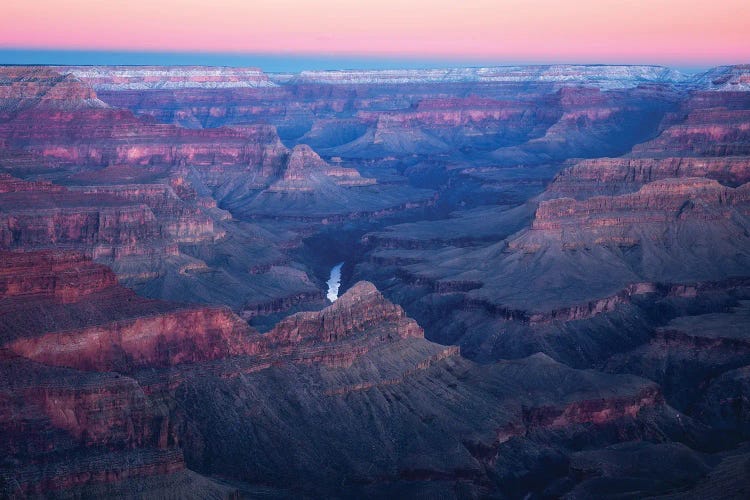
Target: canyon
510	282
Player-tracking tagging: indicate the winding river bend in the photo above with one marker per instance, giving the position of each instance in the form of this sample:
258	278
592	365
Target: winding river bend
334	282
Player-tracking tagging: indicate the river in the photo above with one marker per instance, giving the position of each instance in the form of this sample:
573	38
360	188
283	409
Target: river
334	282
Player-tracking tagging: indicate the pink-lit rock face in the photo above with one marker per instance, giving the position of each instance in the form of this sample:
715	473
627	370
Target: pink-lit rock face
459	112
158	341
621	175
103	223
9	184
712	124
658	201
628	219
58	116
112	412
143	337
64	276
301	160
594	412
94	136
45	88
183	335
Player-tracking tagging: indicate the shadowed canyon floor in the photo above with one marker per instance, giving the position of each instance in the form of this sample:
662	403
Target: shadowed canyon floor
545	288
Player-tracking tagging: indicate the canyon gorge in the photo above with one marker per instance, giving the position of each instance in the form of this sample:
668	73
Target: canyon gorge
504	282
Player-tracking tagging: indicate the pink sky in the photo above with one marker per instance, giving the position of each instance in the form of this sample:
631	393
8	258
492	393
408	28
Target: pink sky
535	30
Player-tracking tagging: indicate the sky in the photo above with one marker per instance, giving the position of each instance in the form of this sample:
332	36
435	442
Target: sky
376	33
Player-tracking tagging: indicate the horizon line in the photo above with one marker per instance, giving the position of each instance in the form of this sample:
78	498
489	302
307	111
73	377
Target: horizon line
295	62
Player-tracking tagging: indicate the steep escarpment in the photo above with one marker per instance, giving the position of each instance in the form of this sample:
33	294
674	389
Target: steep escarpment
360	309
304	167
67	286
62	428
39	215
64	276
245	168
614	176
595	123
42	87
706	124
657	207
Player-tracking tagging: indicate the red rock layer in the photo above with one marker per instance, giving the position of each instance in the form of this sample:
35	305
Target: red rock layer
9	184
22	87
66	277
109	222
144	336
714	124
456	112
158	341
183	335
610	220
178	221
611	176
593	412
59	117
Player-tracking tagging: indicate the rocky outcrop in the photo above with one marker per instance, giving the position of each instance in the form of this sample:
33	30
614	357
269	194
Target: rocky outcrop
153	224
41	87
10	184
656	202
61	428
128	398
308	189
38	215
305	171
467	112
615	176
709	124
726	78
597	412
180	222
361	308
363	354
